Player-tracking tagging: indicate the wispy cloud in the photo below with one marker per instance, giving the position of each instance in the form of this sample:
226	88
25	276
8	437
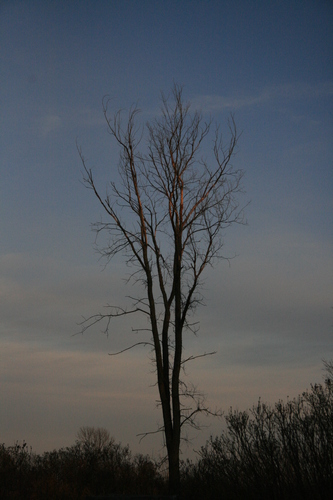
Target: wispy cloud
49	123
45	299
213	103
89	117
70	390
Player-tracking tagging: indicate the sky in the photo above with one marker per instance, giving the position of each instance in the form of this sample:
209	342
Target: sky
268	311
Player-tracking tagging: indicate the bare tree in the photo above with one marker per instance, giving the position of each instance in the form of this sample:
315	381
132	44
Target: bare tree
166	216
94	438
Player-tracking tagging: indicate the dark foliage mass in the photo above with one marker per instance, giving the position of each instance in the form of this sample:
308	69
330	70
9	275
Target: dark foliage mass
279	452
75	473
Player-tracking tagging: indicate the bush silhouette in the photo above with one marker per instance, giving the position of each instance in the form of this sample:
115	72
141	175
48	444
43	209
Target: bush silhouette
284	451
75	473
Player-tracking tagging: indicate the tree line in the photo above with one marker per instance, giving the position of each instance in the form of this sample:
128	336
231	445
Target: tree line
275	451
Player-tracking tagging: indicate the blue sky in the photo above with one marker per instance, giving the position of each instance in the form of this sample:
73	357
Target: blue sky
268	313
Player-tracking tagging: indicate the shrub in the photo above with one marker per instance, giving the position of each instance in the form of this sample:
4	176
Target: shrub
75	472
284	451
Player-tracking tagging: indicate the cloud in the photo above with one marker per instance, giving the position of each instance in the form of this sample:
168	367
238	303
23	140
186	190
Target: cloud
89	117
49	123
53	383
214	103
44	299
47	394
273	304
211	103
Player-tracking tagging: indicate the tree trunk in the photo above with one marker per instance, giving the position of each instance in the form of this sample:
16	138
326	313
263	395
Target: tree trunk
174	474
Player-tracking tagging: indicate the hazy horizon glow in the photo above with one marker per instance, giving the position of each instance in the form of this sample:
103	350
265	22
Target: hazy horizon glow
267	313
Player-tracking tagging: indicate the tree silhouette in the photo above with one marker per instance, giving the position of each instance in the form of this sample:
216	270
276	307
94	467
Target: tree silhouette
93	438
166	216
